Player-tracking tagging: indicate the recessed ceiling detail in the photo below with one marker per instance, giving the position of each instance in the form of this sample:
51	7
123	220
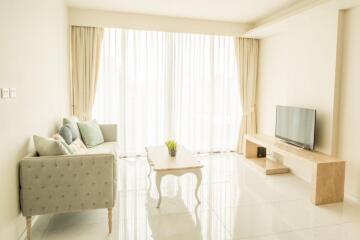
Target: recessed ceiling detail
245	11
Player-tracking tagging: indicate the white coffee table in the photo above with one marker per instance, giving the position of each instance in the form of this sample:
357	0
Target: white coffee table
163	164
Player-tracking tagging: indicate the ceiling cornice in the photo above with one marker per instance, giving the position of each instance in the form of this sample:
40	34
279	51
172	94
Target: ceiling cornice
284	20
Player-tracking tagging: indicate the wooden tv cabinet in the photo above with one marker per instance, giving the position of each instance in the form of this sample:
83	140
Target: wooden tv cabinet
328	172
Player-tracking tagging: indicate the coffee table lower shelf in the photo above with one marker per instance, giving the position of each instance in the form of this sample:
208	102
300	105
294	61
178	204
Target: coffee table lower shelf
268	166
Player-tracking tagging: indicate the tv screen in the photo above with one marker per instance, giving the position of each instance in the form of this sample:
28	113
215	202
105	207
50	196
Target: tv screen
296	126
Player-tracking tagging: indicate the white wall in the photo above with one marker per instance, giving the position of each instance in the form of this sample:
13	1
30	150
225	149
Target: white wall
33	59
349	117
297	68
315	64
86	17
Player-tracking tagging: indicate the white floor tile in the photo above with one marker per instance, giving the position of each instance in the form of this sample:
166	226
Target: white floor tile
348	231
237	202
95	231
247	221
302	214
205	225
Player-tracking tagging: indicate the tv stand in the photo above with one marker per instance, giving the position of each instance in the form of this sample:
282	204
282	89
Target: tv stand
328	172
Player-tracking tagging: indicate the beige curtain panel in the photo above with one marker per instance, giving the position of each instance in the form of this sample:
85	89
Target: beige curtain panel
85	59
247	57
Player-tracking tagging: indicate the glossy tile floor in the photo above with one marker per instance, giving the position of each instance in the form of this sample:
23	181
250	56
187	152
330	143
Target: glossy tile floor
238	202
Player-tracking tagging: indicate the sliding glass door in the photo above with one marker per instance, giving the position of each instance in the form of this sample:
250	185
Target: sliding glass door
158	85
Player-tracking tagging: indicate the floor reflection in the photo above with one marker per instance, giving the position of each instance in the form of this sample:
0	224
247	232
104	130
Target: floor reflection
179	216
183	226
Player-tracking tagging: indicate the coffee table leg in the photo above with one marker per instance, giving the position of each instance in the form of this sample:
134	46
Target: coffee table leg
149	171
199	179
158	186
149	176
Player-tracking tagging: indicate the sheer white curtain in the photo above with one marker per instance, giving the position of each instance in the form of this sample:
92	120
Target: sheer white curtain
158	85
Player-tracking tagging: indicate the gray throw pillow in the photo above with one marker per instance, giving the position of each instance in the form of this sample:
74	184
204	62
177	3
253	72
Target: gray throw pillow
72	122
91	133
49	146
67	133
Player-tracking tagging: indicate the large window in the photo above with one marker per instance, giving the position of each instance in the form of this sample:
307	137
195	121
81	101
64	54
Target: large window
158	85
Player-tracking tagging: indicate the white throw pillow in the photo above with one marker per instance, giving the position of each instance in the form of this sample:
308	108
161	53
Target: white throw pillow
58	137
78	146
49	146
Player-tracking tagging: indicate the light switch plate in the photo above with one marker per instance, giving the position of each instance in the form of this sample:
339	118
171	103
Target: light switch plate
5	92
12	92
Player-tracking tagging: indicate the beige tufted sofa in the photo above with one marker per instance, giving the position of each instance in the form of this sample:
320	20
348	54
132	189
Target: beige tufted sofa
69	183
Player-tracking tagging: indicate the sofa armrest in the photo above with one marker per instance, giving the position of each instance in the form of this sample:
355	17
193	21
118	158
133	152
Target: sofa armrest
67	183
109	132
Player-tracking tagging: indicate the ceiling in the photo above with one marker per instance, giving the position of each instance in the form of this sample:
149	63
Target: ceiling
246	11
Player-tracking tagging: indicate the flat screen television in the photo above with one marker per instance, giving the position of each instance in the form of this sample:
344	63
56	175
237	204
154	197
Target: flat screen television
296	126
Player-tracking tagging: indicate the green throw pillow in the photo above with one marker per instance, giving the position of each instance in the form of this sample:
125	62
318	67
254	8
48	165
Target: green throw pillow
90	133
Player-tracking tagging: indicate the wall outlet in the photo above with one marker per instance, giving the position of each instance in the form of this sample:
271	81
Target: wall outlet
12	92
5	92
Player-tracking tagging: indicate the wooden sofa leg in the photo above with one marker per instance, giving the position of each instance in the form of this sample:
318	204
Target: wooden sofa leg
28	227
110	219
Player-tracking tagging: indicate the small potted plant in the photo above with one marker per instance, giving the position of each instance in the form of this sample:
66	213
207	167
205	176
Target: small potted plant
171	145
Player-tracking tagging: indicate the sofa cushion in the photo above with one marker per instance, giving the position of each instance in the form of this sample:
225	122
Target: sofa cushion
90	133
49	146
106	147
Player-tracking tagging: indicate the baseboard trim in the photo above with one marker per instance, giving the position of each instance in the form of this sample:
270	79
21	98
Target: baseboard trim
23	234
352	199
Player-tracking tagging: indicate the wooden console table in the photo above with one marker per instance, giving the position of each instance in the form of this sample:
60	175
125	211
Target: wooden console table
328	172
